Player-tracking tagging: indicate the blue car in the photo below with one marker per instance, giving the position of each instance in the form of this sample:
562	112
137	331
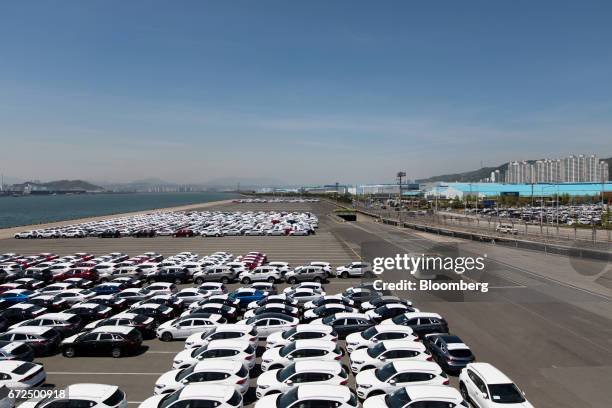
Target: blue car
246	296
108	288
12	297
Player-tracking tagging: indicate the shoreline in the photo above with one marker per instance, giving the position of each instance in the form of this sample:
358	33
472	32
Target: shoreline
11	231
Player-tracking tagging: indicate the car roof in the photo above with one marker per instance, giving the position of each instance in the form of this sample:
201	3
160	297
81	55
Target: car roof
393	328
9	365
216	364
229	343
89	390
416	392
410	315
311	327
335	392
113	329
402	345
58	316
205	391
30	330
489	373
318	366
416	365
319	344
351	314
233	327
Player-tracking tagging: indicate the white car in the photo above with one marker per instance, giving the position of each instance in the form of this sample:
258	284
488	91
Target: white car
326	266
161	288
386	379
26	234
485	386
418	396
383	300
304	295
316	286
73	296
21	374
387	351
311	395
235	350
269	323
301	332
353	270
217	372
261	273
300	350
190	295
298	373
197	395
283	267
183	327
55	288
375	334
279	299
221	332
84	394
323	300
215	288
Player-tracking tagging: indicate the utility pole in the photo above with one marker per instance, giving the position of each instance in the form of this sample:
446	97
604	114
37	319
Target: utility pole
400	175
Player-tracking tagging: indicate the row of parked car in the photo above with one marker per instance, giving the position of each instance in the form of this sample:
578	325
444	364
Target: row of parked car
180	268
397	362
276	200
186	224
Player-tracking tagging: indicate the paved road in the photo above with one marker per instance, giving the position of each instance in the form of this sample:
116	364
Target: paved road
540	322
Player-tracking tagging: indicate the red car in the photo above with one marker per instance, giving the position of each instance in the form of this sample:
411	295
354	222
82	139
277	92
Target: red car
184	233
85	273
48	256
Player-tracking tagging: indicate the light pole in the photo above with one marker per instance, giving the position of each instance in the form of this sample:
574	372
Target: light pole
400	175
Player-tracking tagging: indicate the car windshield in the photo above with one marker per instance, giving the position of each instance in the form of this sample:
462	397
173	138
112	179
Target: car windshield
377	350
399	319
369	333
505	393
184	373
287	349
289	333
461	353
385	372
328	319
285	373
397	399
169	399
287	398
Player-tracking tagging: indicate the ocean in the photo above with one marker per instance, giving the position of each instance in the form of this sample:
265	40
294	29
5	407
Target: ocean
40	209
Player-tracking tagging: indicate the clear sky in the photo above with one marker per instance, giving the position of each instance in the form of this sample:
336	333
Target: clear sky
303	92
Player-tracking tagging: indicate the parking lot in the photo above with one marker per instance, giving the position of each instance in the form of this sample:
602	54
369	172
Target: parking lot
546	328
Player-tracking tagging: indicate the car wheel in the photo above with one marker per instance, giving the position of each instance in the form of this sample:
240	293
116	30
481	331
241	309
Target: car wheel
246	281
291	281
271	279
463	391
166	336
199	281
116	352
224	280
69	352
178	281
317	279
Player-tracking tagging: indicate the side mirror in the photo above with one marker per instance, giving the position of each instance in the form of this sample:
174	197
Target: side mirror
374	340
382	358
392	382
485	396
184	381
289	382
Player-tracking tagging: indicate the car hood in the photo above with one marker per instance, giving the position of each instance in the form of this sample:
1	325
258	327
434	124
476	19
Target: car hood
151	402
310	314
267	401
271	354
377	401
183	355
267	378
276	337
317	321
167	378
165	325
92	325
354	338
70	339
360	355
367	377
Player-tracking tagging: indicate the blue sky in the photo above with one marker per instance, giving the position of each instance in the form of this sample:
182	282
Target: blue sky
307	92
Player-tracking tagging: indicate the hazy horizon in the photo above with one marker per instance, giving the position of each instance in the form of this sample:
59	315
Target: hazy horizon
304	93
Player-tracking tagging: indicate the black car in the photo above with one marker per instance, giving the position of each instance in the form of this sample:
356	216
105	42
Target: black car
389	311
16	350
21	312
159	313
387	300
52	303
43	340
115	341
110	234
30	283
44	275
347	323
145	233
112	301
145	325
361	295
449	351
228	312
167	300
90	311
324	311
172	274
4	323
422	323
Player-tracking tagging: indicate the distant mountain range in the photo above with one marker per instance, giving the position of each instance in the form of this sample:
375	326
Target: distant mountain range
61	185
482	173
